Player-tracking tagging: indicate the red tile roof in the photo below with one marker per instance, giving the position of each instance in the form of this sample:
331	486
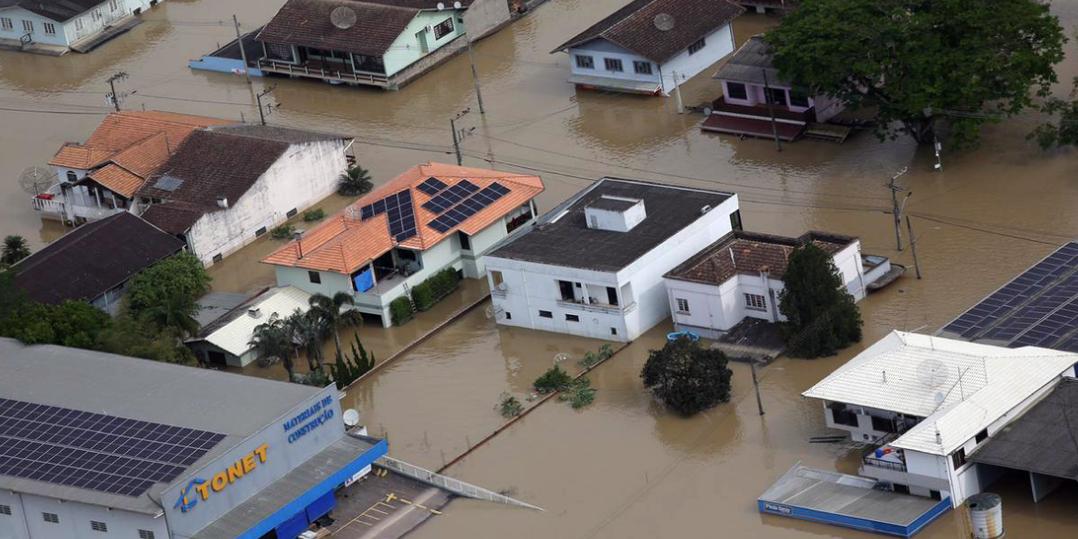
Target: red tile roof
343	243
751	253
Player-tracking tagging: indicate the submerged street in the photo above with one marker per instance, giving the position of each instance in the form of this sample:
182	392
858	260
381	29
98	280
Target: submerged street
624	466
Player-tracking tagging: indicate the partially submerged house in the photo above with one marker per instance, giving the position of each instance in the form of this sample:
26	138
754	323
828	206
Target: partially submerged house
651	46
101	176
228	185
226	340
94	262
383	43
757	102
55	27
431	217
594	265
740	276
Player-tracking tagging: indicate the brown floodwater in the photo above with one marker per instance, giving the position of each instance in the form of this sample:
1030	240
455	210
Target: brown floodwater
622	467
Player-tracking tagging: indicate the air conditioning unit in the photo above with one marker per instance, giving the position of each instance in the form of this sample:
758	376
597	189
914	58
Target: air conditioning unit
429	28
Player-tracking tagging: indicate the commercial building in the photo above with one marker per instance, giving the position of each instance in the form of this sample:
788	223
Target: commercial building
96	445
594	265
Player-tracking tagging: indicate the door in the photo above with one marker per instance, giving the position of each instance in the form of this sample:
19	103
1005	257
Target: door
421	38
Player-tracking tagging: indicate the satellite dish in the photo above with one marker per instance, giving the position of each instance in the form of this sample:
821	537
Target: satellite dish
342	17
457	5
664	22
940	397
351	417
440	6
932	373
36	179
558	358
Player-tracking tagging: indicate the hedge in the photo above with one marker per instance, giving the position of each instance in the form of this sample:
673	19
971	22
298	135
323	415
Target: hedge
400	310
435	288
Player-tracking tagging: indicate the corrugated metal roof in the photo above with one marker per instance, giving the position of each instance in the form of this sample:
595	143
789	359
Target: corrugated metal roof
958	387
234	335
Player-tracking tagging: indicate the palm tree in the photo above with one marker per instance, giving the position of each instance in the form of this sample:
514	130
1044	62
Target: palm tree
274	339
176	312
308	332
332	314
354	181
15	249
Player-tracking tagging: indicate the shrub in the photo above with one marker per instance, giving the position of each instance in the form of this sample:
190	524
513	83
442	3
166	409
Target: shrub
316	214
687	377
423	296
579	393
348	369
555	379
592	359
435	288
509	406
282	232
400	311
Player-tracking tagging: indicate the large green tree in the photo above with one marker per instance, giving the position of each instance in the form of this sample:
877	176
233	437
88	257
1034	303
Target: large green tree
687	377
1062	129
354	181
922	65
176	282
334	312
821	316
14	250
274	339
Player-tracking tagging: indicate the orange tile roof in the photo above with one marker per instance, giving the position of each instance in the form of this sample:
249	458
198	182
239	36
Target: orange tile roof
344	243
117	179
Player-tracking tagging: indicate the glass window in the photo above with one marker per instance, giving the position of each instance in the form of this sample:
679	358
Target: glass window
572	318
112	5
314	277
546	314
682	305
52	518
98	526
642	68
497	277
736	90
735	220
292	212
775	96
981	436
28	26
959	458
799	99
613	64
611	295
508	315
50	28
566	289
5	509
465	243
145	534
443	28
78	24
613	331
260	231
5	23
695	47
584	61
755	302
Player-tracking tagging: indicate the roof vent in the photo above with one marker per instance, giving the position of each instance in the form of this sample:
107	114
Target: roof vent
704	209
664	22
254	312
222	202
342	17
617	214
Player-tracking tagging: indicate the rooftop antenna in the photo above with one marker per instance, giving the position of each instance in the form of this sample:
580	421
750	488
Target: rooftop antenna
664	22
342	17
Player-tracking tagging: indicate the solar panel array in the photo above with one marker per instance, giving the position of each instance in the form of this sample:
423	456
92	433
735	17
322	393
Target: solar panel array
470	206
399	212
1037	308
432	186
94	451
447	198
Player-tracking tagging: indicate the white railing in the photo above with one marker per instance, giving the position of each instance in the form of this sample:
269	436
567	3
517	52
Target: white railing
596	308
456	486
320	72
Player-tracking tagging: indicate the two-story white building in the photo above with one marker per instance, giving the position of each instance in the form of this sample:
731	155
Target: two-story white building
594	265
741	275
651	46
57	26
432	217
228	185
924	404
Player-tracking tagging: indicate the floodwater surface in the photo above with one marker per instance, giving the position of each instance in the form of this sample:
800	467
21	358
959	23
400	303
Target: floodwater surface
623	467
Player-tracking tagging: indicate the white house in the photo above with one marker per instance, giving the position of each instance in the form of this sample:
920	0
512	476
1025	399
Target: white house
432	217
924	404
741	275
57	26
594	265
226	340
227	185
651	46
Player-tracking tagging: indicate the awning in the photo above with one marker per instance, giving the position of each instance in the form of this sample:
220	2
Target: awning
290	496
753	127
620	85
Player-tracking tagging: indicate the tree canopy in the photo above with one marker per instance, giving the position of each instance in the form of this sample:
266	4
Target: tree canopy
167	292
687	377
14	250
1062	129
922	65
821	315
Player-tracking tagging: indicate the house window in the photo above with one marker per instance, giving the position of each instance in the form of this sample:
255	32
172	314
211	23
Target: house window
95	15
497	278
755	302
697	47
642	68
145	534
78	24
508	315
736	90
775	96
613	64
28	26
314	277
5	509
735	221
260	231
981	436
292	212
465	243
682	305
443	28
584	61
71	176
799	99
882	424
611	295
613	331
572	318
218	257
98	526
5	23
546	314
959	458
566	289
51	518
112	5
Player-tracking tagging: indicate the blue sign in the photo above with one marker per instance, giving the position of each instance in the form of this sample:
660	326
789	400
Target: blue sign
308	420
187	499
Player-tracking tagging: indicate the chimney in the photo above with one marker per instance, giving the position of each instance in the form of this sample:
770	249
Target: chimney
254	312
298	236
222	201
617	214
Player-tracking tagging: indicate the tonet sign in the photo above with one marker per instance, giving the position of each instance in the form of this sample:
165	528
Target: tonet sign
220	480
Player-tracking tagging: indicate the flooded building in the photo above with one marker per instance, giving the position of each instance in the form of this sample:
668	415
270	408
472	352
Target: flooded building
594	265
55	27
164	450
651	46
226	340
429	218
228	185
741	276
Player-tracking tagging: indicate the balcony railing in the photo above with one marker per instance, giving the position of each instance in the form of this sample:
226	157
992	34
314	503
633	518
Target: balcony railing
597	308
782	113
885	464
319	71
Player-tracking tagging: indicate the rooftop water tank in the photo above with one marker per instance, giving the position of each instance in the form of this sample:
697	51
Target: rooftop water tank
986	515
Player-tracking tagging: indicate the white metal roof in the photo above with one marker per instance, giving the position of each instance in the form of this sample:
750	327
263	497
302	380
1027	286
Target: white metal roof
959	387
234	336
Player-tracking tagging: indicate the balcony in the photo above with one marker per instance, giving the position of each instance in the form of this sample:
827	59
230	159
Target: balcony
869	460
596	307
50	204
328	71
783	113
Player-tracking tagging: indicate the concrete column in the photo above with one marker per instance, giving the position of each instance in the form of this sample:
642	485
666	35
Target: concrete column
1042	485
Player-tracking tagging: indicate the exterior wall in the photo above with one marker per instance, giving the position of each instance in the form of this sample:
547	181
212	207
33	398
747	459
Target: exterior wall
406	48
717	45
18	15
299	278
485	17
26	520
74	29
473	260
304	175
826	107
599	49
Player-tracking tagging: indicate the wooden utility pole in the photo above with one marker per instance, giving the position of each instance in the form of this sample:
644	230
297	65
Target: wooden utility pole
771	110
894	187
112	88
475	75
243	52
756	384
913	247
677	94
456	141
258	99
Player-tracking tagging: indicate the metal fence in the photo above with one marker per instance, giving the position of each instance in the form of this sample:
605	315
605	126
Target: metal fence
455	486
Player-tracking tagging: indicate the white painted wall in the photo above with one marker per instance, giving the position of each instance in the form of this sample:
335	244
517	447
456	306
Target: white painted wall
484	17
717	45
26	520
599	49
89	23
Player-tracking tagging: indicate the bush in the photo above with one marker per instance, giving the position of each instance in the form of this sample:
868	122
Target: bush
348	369
316	214
282	232
592	359
579	393
422	296
555	379
435	288
400	311
509	406
821	316
687	377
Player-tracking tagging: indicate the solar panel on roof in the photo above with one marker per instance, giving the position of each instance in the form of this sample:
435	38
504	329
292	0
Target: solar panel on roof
431	186
452	216
94	451
168	183
448	197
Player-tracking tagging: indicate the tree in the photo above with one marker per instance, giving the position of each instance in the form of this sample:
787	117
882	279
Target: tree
180	279
687	377
354	181
139	338
15	249
554	379
308	333
175	313
923	64
821	317
77	324
348	369
274	339
1064	132
331	313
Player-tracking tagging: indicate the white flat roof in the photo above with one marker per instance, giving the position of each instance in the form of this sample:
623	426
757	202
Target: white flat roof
234	335
958	387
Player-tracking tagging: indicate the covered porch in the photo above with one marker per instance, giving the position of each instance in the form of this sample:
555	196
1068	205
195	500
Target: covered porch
329	65
756	120
384	279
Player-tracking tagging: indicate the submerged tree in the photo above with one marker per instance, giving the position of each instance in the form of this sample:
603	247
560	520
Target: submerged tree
354	181
1062	130
821	316
273	338
15	249
687	377
332	313
924	64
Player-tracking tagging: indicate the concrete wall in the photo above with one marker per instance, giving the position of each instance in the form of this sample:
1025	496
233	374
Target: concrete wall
826	107
406	49
717	45
26	520
485	17
332	282
599	50
304	175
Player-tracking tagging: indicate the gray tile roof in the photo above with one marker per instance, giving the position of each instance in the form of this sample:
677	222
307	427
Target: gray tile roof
749	63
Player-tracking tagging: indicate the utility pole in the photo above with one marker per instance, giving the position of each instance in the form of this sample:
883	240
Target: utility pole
456	139
913	247
771	110
475	75
677	94
112	88
756	384
243	52
895	188
258	99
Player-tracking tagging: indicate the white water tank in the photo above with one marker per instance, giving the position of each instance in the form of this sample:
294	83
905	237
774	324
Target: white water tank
986	515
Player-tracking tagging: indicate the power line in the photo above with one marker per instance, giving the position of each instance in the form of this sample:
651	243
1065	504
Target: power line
42	111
